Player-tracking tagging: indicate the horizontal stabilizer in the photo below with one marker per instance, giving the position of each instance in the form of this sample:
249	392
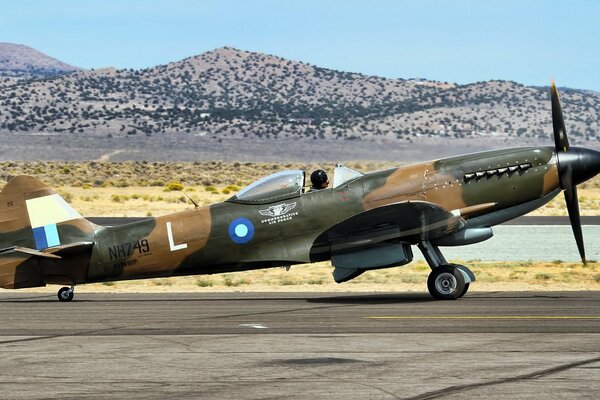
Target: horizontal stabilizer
26	250
70	248
51	252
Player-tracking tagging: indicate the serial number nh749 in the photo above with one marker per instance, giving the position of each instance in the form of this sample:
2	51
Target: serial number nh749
125	250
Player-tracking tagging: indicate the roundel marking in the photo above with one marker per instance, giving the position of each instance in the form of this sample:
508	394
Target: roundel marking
241	230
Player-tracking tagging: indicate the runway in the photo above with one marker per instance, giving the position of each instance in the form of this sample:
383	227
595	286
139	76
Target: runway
300	346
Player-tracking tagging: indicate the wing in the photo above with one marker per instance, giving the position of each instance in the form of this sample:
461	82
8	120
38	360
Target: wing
412	221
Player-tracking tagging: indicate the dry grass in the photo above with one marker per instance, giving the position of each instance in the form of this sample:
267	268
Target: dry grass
156	174
513	276
589	202
137	201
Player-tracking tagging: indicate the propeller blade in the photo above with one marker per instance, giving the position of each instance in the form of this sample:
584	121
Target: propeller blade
566	163
573	208
558	123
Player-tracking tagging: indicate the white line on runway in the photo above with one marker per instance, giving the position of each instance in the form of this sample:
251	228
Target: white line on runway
255	326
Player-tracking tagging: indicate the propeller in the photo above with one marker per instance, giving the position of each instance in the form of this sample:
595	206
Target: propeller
566	161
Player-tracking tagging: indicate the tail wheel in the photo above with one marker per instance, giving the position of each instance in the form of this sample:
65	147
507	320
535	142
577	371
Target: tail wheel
65	294
446	282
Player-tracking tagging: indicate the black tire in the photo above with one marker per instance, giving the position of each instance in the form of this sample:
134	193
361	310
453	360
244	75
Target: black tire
65	294
465	290
446	282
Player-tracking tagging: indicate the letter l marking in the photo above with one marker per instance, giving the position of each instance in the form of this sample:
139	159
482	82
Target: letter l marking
171	242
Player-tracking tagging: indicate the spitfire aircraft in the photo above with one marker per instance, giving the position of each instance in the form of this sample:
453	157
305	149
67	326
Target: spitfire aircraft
364	222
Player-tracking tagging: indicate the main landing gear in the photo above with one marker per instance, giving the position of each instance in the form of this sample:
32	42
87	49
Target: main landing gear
66	293
446	281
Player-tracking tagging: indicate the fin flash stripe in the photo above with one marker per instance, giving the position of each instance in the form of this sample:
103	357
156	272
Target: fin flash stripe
46	236
48	210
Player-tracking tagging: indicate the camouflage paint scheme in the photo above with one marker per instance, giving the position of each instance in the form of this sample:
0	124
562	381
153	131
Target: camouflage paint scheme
408	204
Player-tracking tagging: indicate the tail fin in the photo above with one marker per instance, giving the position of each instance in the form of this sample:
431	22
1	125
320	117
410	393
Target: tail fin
34	216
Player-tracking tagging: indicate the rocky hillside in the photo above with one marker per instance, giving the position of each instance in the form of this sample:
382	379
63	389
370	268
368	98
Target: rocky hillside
233	93
18	60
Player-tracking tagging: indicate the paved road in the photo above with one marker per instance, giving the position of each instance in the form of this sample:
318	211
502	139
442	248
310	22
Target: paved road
300	346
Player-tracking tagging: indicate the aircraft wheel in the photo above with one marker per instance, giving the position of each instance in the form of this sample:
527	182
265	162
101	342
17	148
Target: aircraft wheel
65	294
465	290
446	282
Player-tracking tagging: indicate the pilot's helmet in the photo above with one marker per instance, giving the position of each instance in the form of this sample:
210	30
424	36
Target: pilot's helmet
319	179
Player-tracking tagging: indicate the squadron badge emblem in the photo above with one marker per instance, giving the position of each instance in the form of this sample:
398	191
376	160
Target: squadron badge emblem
278	213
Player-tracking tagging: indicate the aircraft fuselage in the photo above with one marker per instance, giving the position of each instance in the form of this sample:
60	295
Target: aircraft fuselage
204	240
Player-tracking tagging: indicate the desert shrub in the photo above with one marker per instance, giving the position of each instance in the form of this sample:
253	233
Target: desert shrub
119	198
543	276
228	281
204	282
67	196
289	280
174	186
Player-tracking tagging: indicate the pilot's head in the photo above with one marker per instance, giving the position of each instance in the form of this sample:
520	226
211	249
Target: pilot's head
319	179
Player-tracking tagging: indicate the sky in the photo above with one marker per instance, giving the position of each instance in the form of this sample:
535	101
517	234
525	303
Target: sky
461	41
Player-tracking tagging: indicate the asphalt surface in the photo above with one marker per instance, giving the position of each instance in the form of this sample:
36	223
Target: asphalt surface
300	346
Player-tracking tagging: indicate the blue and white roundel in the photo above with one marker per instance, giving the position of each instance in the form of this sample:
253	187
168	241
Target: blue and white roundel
241	230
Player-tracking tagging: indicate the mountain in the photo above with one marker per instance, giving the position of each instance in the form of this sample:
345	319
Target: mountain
232	93
22	61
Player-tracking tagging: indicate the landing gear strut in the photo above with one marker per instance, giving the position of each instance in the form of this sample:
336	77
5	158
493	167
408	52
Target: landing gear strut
446	281
66	293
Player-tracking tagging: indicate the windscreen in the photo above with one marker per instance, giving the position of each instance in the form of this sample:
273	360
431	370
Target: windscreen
280	183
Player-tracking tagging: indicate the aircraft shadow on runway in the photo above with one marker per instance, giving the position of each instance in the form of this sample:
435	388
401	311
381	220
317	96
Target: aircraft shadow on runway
381	298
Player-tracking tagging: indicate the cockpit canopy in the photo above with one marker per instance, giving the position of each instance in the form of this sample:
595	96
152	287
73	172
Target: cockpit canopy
286	184
278	186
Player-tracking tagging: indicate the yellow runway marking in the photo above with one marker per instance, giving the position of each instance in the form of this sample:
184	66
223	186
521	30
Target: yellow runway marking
487	317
